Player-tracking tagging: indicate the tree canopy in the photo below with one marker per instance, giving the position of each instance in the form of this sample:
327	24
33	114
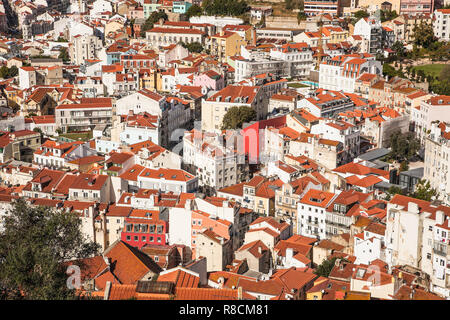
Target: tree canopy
151	20
236	116
358	15
64	55
6	72
386	15
225	7
424	35
34	244
194	11
403	145
424	191
193	46
325	268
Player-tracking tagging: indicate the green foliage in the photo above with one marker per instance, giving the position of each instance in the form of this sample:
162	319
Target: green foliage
194	11
193	46
236	116
387	15
154	17
390	71
225	7
293	4
34	244
403	145
404	166
358	15
444	75
6	72
393	191
441	83
424	191
301	16
64	55
60	39
399	49
325	268
424	35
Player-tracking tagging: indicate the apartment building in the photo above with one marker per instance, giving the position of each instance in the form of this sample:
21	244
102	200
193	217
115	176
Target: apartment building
91	187
52	154
417	236
288	196
437	149
344	132
314	7
340	213
84	47
84	116
226	44
172	114
215	107
326	103
311	213
167	180
215	163
341	72
370	29
435	108
158	36
441	24
416	7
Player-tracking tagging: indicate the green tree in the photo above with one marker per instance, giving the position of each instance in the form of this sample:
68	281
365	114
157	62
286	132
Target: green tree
151	20
387	15
13	71
4	71
399	49
34	244
393	191
225	7
424	191
325	268
358	15
194	11
403	145
236	116
404	166
390	71
444	75
64	55
424	35
193	46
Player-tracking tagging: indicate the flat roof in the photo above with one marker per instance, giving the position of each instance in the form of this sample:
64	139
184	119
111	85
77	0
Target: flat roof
374	154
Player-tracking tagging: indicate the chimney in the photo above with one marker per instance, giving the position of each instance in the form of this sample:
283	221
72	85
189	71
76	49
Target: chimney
440	217
413	292
413	207
239	293
107	290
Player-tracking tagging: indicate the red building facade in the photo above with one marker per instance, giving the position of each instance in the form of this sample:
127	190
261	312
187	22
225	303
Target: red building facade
144	227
